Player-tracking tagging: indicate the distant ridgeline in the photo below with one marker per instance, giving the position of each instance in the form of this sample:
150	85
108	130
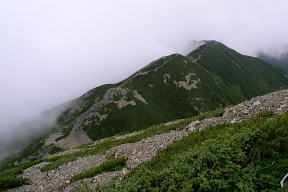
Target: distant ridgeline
172	87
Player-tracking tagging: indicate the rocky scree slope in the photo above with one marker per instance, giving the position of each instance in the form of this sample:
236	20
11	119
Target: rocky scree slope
173	87
143	150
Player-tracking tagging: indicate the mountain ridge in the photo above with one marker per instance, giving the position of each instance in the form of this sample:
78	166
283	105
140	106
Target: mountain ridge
171	87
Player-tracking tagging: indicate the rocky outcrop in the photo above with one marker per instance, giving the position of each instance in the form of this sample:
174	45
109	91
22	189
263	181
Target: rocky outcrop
189	83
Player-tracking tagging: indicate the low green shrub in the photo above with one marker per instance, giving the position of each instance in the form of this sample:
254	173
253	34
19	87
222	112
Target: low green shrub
266	114
55	149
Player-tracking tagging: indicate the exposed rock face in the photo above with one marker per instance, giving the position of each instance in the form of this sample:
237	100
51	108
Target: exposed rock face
189	83
166	77
145	149
139	97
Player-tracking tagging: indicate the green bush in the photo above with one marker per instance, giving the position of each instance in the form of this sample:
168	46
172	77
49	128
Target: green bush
55	149
266	114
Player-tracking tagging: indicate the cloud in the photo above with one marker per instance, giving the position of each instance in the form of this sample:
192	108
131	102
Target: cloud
54	50
276	56
29	131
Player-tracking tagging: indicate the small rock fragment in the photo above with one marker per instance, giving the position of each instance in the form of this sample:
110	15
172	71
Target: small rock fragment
256	103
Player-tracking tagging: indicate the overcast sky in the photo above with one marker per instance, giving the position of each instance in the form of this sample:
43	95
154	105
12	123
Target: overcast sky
54	50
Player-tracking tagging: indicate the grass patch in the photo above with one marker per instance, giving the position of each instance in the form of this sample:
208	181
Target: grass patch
108	166
9	181
85	145
102	147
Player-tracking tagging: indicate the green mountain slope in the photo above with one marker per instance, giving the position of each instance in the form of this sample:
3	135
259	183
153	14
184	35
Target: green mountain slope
250	75
172	87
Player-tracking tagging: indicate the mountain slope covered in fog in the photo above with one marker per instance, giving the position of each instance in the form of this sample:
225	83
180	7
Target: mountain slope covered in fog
280	61
31	130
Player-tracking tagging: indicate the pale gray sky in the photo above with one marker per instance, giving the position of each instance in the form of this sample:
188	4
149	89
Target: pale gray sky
54	50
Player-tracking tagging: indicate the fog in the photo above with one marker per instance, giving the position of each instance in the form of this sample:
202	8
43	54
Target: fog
31	130
276	56
54	50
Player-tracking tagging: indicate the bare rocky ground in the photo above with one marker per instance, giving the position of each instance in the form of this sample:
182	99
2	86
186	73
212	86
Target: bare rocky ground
143	150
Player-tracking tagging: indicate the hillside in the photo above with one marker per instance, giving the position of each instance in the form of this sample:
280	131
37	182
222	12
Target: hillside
173	87
243	148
